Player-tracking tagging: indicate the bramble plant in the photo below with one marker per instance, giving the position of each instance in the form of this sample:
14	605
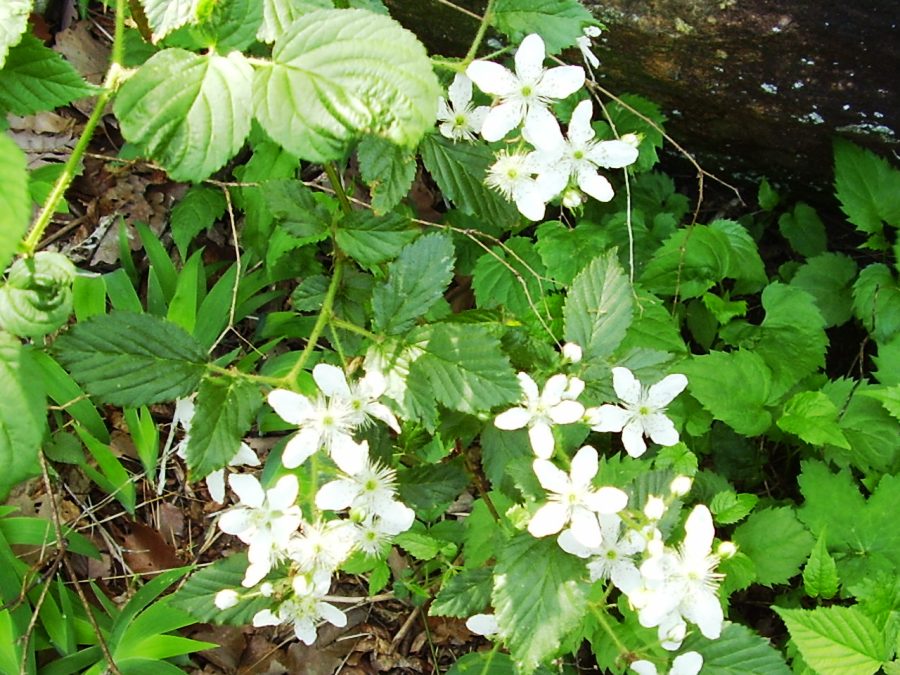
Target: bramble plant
639	417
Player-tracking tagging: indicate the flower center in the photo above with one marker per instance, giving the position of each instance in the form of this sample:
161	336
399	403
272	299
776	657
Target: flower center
527	90
460	120
644	410
578	154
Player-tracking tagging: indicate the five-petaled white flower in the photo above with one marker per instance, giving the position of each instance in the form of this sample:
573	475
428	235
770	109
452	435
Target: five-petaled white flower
459	120
642	411
264	520
688	663
541	410
362	395
322	546
305	608
614	558
512	175
578	156
573	500
526	94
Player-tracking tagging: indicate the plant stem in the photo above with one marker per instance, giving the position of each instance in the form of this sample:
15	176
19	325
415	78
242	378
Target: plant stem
604	624
110	84
231	372
353	328
479	36
338	186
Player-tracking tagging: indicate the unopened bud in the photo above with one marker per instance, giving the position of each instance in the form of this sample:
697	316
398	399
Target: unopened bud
681	486
572	352
266	589
655	508
634	140
227	598
572	198
726	550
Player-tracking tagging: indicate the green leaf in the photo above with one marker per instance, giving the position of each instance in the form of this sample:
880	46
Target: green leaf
867	187
558	22
279	14
388	170
564	251
13	22
804	230
337	75
729	507
537	584
767	196
416	280
828	278
876	301
198	594
637	115
371	240
467	593
813	417
836	640
820	577
745	264
746	379
474	663
873	434
232	26
776	542
511	276
164	16
37	296
419	546
430	489
194	128
689	263
459	170
599	307
15	204
132	359
889	397
226	409
23	418
36	78
738	650
200	207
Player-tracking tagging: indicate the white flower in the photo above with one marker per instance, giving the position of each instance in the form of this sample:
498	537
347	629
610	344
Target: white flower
512	175
264	520
540	411
614	558
583	42
688	663
304	609
227	598
322	546
459	120
642	411
363	395
483	624
578	156
573	500
525	94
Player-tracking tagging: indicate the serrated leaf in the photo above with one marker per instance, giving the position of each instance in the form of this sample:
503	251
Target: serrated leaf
192	129
132	359
36	78
416	280
867	187
804	230
198	594
889	397
467	593
738	650
37	296
511	276
296	207
430	489
13	21
599	307
164	16
200	207
387	169
564	251
279	14
836	640
23	417
558	22
337	75
232	25
225	410
745	265
873	434
776	542
15	203
813	417
459	170
876	301
828	278
419	546
730	507
537	584
820	577
689	263
371	240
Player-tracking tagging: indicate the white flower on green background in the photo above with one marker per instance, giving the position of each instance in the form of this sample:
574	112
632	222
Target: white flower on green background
512	175
305	608
460	121
524	96
614	558
641	413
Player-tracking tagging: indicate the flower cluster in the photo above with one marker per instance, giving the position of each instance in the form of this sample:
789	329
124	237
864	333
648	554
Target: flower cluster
556	166
273	526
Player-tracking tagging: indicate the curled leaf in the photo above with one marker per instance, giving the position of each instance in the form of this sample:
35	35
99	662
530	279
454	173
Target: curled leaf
37	296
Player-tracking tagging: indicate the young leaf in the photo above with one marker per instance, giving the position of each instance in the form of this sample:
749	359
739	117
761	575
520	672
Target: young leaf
745	264
164	16
15	204
558	22
813	417
226	408
565	252
828	278
232	26
599	307
22	415
468	593
729	507
416	280
689	263
13	21
511	276
388	170
370	239
737	651
36	78
194	128
132	359
776	542
804	230
200	207
279	14
339	74
537	584
876	301
820	577
836	640
867	187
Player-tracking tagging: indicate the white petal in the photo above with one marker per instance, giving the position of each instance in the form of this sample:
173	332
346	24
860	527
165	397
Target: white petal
255	573
584	466
531	205
381	412
284	493
608	418
530	58
305	630
331	380
688	663
585	527
561	81
568	543
548	137
216	484
541	436
265	617
660	429
703	609
396	518
332	614
576	384
613	154
247	488
580	129
550	476
625	577
633	439
300	446
289	406
483	624
235	521
244	457
663	392
594	184
540	123
501	120
477	118
349	455
492	78
643	667
337	495
567	412
549	519
627	386
529	387
444	113
553	389
373	384
460	91
611	500
512	419
184	412
699	532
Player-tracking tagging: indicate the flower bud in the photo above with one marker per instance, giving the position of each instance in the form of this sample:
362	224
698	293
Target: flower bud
634	140
572	198
655	508
227	598
681	486
572	352
726	550
266	589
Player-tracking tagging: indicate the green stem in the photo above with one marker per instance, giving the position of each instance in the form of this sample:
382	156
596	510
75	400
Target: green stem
353	328
231	372
479	36
70	168
604	624
338	186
